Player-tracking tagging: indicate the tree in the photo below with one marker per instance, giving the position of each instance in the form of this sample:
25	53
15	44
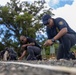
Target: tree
21	18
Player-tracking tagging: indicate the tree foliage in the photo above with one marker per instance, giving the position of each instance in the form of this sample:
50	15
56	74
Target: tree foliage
20	18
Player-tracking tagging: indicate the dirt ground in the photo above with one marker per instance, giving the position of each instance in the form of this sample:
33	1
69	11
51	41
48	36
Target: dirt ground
13	68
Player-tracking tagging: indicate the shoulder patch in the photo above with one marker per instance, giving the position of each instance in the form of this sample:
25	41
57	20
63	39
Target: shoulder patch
61	23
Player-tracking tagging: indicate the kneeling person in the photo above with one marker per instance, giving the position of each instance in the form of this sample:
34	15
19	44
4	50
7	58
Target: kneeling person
8	54
31	47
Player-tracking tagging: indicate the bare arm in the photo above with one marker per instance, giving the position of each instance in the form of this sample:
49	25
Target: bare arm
61	33
23	54
30	44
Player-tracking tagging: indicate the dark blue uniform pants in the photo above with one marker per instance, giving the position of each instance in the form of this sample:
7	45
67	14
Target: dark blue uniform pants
66	42
33	51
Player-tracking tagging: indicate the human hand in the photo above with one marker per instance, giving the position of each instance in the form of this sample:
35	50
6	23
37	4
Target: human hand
48	43
20	58
24	46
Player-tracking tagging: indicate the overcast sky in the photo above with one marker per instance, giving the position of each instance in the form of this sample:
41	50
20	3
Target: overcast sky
61	8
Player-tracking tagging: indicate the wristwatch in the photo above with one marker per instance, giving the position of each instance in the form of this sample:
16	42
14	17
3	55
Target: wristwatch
52	40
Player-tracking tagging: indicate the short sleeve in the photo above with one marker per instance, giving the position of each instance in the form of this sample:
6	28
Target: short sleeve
61	23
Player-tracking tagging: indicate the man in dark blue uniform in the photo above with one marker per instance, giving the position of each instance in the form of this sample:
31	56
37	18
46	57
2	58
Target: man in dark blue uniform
58	29
30	46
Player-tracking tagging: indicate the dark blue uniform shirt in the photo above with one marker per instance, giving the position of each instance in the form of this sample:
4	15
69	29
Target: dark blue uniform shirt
59	23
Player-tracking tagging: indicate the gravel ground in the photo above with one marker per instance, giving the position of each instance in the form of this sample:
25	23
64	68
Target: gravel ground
20	69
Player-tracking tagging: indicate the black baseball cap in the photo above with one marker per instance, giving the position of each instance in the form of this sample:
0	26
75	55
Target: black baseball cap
45	19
